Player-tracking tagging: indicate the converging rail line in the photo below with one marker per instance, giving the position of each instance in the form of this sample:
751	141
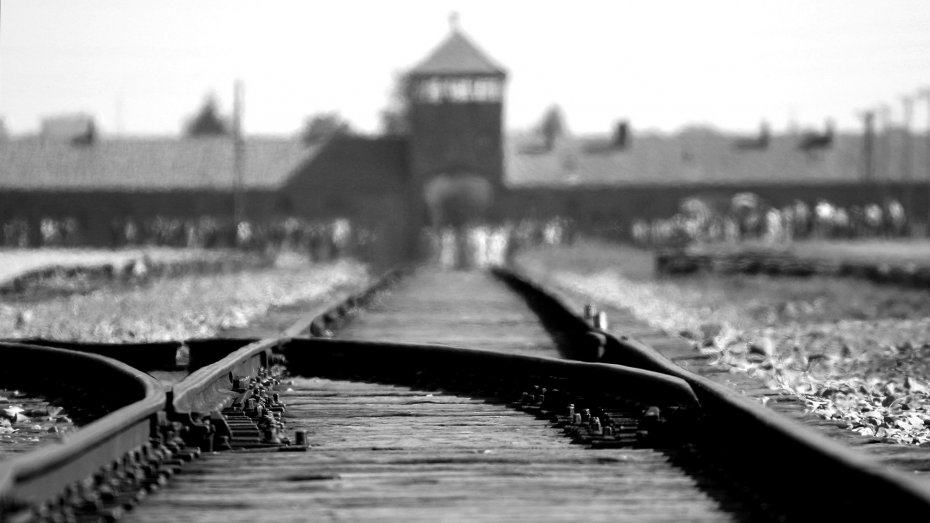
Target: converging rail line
458	308
443	395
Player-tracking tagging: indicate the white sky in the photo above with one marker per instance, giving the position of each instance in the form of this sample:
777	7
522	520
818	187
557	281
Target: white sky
144	67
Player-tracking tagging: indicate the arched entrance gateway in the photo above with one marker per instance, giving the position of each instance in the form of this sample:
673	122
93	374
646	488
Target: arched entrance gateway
457	201
455	98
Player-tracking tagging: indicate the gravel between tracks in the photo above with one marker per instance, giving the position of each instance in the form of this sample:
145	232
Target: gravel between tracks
852	351
180	307
16	262
27	422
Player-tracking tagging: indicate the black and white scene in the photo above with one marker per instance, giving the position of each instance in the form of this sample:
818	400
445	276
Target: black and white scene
464	260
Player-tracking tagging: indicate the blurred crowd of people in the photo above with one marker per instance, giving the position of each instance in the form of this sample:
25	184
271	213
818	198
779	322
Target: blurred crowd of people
492	245
747	217
474	246
322	239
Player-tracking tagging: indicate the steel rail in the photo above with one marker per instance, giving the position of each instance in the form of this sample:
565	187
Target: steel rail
746	428
442	361
150	356
41	475
210	387
318	320
143	356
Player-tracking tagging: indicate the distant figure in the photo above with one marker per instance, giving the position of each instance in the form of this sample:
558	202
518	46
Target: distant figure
841	224
813	141
824	213
874	218
746	208
897	220
802	220
773	230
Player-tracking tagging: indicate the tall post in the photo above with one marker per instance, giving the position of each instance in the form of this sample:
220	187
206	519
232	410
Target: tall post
238	156
925	94
883	156
884	123
868	145
907	167
907	114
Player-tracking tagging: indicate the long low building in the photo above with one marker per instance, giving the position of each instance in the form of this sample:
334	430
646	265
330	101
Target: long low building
395	185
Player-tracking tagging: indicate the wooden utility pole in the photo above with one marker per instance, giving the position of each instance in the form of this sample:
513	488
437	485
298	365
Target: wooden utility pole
885	158
868	145
907	156
238	156
907	114
925	94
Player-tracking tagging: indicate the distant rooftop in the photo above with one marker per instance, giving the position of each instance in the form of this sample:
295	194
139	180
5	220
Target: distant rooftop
147	164
165	164
695	157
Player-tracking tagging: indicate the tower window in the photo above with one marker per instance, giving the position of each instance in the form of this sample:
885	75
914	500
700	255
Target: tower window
429	91
458	90
487	90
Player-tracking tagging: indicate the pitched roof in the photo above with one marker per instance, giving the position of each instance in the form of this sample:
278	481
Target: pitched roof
457	55
693	157
354	163
147	164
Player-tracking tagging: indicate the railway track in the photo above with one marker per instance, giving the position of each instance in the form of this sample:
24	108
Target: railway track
371	408
57	473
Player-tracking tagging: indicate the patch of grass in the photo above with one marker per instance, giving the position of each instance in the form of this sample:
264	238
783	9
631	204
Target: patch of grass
852	350
176	308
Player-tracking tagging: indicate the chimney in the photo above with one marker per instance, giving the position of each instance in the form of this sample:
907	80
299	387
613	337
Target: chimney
622	135
88	137
69	128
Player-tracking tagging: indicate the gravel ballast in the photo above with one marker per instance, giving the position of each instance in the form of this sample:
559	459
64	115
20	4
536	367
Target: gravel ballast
190	306
854	352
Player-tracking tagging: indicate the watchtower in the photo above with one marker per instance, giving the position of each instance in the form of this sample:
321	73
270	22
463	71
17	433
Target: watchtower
455	103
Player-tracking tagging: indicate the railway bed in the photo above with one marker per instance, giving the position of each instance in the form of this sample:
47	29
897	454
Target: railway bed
457	308
400	453
913	460
370	408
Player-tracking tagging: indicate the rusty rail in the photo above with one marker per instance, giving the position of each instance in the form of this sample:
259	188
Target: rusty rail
441	361
40	476
728	427
783	448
